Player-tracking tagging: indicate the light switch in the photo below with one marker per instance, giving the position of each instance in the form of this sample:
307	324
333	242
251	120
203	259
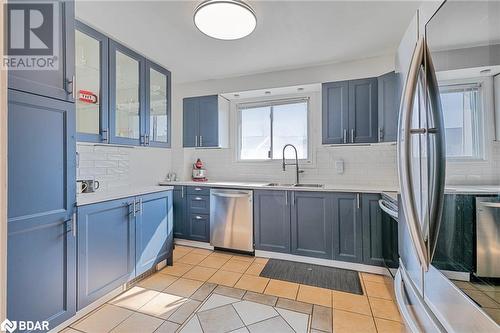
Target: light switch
339	166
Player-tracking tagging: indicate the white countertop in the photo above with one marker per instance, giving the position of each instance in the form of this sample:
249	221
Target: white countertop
100	196
452	189
263	185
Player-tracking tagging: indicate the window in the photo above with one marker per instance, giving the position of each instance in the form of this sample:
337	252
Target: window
265	128
462	120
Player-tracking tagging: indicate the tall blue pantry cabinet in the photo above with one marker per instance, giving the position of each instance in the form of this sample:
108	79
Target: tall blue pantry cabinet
41	185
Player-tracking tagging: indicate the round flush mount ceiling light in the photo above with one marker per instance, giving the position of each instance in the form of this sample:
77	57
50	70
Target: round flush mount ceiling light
225	19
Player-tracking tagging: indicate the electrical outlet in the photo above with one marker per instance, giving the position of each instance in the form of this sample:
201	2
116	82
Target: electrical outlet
339	166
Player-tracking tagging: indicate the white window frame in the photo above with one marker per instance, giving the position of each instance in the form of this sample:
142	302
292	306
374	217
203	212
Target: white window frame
271	102
480	119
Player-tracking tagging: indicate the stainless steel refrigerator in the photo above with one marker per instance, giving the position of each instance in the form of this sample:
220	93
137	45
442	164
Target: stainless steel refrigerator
448	63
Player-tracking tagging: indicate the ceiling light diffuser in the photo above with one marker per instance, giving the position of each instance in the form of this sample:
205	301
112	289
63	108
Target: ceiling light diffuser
225	19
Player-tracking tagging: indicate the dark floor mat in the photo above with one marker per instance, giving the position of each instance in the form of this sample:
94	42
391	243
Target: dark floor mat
313	275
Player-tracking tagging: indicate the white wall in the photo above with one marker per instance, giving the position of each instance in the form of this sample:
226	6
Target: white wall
222	163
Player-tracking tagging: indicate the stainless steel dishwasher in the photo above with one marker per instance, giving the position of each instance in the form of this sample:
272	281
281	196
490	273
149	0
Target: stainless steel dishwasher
231	219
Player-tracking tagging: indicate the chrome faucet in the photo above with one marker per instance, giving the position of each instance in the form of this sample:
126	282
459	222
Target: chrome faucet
296	162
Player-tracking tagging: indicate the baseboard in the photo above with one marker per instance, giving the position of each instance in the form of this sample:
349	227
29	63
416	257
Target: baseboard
88	309
324	262
186	242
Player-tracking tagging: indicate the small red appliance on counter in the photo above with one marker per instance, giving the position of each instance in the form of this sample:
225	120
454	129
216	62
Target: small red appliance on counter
199	173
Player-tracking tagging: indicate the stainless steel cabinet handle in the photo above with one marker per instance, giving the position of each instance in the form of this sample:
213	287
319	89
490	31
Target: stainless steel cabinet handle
198	189
140	205
286	198
201	141
196	140
198	217
345	135
404	152
134	207
105	135
198	198
73	222
352	135
182	191
358	204
71	91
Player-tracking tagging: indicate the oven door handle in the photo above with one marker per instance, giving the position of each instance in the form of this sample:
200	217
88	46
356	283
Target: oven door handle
385	208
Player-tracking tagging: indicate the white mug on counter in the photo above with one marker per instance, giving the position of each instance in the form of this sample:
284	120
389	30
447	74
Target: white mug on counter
86	186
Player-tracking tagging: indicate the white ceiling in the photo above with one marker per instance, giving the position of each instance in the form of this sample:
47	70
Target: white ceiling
289	34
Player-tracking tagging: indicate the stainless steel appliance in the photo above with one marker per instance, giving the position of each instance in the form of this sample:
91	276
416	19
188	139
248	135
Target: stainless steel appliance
231	219
488	237
448	44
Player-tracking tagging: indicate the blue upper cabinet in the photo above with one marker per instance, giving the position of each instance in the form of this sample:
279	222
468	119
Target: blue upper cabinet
158	106
335	112
153	229
41	244
363	112
191	108
205	122
91	64
123	98
388	107
127	95
350	111
55	83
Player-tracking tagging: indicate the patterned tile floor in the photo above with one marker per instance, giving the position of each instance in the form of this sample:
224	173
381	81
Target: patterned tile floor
207	291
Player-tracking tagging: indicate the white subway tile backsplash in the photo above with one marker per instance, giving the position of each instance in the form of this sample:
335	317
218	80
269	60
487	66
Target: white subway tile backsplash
106	164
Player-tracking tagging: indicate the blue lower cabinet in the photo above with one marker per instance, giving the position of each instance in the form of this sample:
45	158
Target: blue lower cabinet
272	220
180	212
347	228
153	230
41	246
311	221
121	239
199	227
106	254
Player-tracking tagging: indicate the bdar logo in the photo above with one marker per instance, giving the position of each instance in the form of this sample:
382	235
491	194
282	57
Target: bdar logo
8	326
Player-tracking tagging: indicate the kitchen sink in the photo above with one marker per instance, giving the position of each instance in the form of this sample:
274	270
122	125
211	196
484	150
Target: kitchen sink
295	185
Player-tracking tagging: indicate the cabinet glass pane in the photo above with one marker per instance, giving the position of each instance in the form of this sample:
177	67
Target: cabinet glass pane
158	106
127	97
88	73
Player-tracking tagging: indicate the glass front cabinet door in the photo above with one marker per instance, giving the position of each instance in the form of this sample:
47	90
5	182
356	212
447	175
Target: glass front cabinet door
91	50
126	71
157	105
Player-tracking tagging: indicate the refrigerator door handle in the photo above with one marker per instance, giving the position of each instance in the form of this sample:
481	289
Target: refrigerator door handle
405	155
437	159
